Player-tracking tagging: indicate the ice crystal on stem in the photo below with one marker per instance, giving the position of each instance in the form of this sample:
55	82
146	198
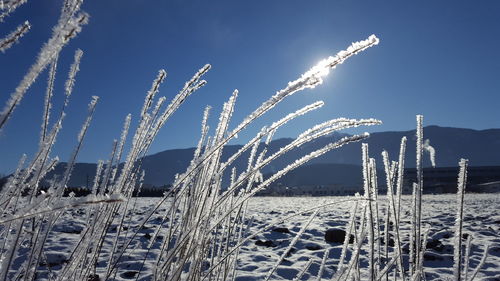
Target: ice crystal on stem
9	6
14	36
67	28
457	254
48	99
75	67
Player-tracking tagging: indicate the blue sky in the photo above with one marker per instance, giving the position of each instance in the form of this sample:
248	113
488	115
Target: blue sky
436	58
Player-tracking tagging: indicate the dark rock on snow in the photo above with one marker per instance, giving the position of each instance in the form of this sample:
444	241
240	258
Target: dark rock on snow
435	245
281	230
93	277
334	235
129	274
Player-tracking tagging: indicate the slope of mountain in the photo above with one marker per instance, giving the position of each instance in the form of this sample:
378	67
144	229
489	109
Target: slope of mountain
323	174
481	147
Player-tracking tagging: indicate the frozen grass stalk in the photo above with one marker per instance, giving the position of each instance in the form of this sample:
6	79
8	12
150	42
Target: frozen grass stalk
367	170
392	211
457	253
399	187
14	36
48	99
481	263
66	29
323	264
304	270
418	191
9	7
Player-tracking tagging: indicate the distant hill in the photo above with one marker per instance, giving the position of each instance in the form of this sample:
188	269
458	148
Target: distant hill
324	174
481	147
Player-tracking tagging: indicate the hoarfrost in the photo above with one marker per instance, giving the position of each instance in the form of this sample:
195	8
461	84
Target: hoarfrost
14	36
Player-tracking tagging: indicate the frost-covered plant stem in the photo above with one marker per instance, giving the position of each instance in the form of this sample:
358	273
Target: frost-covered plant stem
14	36
81	135
420	183
481	263
304	270
376	218
353	266
457	253
413	229
347	237
367	170
393	211
323	264
48	98
66	29
399	186
419	273
467	253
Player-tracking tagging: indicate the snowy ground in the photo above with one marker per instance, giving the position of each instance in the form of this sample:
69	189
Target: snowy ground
257	257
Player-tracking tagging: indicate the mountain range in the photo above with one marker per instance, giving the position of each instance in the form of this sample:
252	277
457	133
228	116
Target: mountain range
481	147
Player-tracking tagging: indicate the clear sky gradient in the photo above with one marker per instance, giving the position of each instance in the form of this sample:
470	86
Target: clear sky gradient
436	58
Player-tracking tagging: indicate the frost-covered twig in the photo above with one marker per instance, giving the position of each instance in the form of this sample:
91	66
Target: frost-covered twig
304	270
399	184
323	264
419	190
367	184
347	237
81	135
9	7
393	211
63	203
48	99
75	67
467	255
481	263
14	36
457	247
65	30
387	267
153	91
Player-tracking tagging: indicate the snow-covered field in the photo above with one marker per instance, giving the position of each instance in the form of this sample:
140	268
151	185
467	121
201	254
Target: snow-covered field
258	255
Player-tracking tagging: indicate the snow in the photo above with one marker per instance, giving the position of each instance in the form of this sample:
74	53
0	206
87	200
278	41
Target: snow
481	220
